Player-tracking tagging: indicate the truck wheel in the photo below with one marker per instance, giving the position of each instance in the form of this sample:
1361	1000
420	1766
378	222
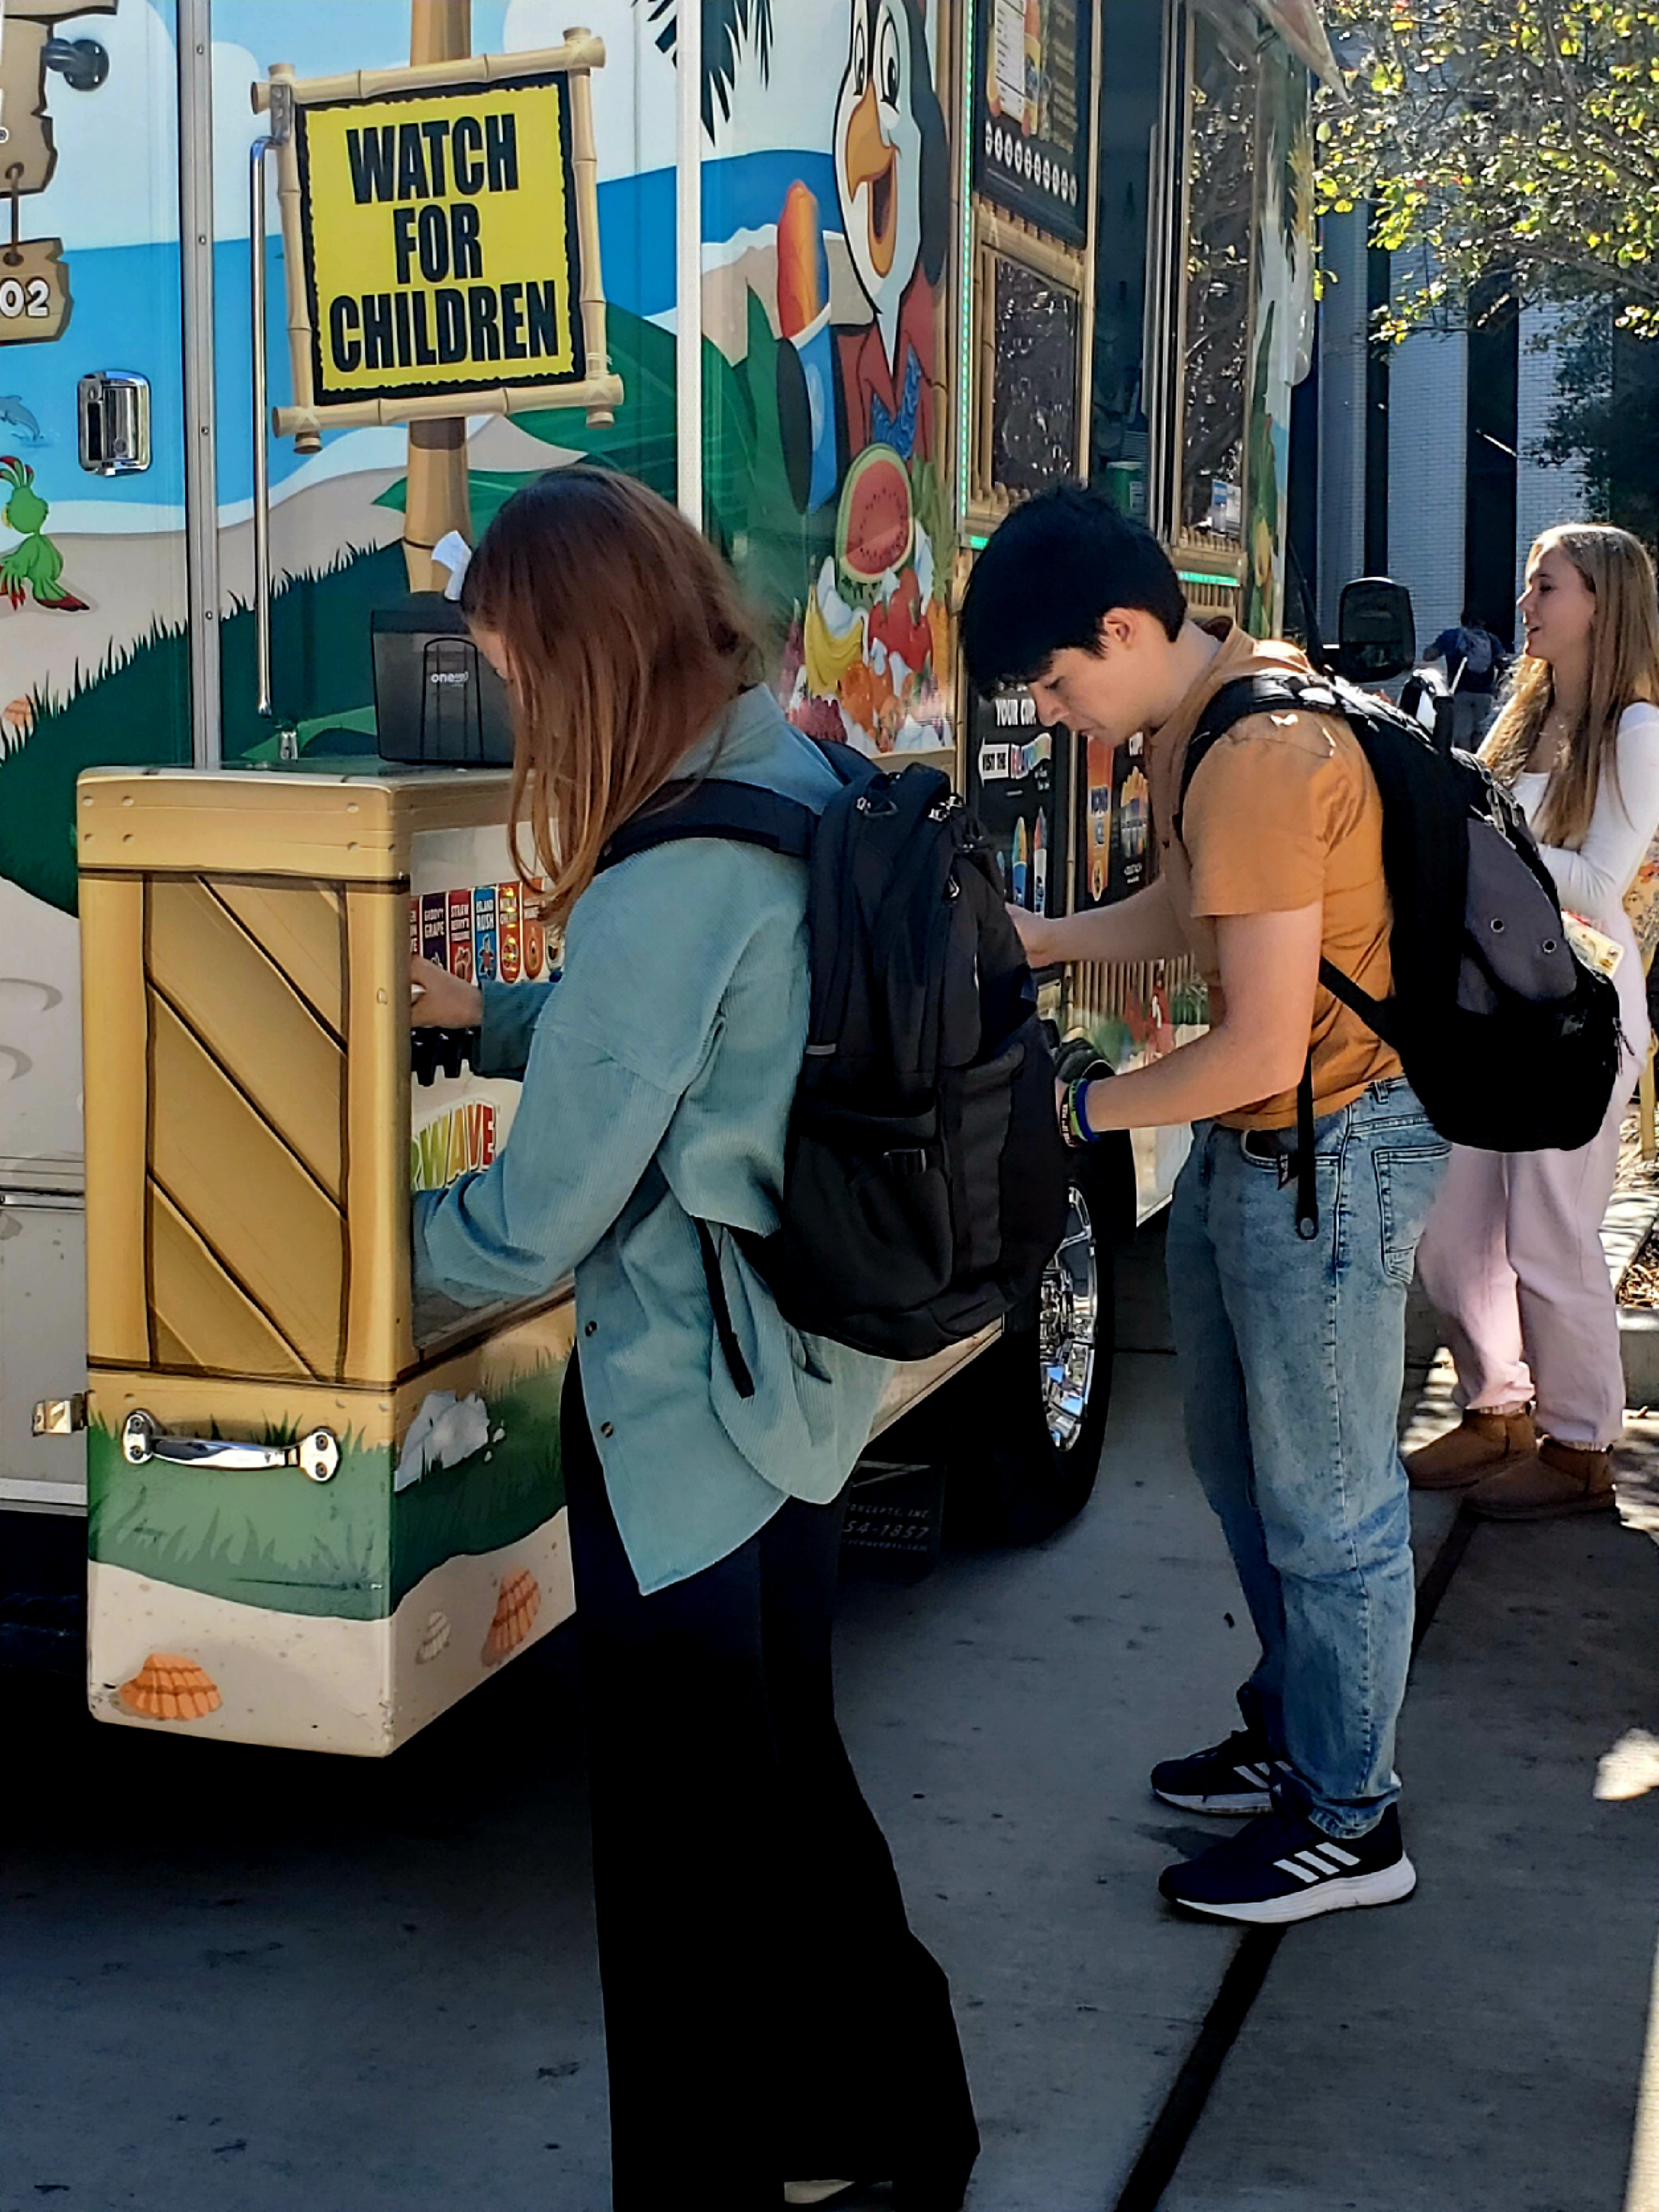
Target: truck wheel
1024	1425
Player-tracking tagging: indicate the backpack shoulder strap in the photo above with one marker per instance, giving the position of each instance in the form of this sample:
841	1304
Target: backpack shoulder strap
744	813
1269	693
852	768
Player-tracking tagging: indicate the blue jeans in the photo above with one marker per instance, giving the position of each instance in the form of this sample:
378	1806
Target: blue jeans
1291	1356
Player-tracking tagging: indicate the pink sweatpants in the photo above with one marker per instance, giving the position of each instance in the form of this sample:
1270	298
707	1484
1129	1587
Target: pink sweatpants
1512	1260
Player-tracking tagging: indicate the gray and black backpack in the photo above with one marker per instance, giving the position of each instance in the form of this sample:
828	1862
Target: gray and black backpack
924	1179
1510	1041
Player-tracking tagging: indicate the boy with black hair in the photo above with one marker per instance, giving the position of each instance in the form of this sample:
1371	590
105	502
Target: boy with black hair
1291	1348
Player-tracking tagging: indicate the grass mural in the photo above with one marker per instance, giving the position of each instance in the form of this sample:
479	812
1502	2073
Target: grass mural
134	710
349	1549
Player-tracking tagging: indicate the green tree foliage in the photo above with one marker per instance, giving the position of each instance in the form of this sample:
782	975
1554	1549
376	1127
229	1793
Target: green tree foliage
1514	134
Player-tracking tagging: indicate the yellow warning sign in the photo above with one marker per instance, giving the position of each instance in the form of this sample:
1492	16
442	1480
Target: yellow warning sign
440	242
441	225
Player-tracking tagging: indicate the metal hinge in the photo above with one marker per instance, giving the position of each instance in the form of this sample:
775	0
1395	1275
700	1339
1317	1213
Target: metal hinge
279	107
59	1417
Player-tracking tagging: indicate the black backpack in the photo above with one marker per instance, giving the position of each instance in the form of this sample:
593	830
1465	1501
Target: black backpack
1511	1043
925	1179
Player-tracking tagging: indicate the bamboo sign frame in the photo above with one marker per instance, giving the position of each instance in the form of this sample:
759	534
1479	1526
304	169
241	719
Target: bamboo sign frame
393	194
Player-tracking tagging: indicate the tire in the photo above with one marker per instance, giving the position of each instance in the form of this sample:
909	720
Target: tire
1022	1440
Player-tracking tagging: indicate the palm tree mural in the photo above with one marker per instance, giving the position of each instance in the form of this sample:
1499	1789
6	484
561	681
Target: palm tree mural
728	27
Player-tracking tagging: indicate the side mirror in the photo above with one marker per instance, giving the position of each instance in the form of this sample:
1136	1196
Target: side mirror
1376	630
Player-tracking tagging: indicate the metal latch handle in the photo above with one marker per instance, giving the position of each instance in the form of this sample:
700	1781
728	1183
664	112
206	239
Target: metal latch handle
142	1441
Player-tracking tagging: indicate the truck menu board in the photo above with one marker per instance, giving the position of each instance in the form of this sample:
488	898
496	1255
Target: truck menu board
1033	64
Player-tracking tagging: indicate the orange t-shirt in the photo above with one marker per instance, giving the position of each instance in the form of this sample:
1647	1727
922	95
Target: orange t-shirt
1284	811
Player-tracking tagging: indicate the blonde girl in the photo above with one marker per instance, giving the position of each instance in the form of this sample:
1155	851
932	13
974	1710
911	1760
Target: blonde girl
1512	1255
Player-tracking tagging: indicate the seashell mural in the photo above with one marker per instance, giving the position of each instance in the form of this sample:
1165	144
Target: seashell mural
519	1601
170	1686
433	1639
16	720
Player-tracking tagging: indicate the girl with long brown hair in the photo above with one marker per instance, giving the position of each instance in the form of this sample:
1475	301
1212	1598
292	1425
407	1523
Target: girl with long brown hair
769	2016
1512	1255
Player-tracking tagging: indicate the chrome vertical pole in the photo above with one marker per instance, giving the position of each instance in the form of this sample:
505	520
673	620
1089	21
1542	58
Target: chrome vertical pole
282	119
195	243
687	259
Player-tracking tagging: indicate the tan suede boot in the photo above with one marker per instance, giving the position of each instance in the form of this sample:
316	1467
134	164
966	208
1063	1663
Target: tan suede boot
1556	1478
1467	1455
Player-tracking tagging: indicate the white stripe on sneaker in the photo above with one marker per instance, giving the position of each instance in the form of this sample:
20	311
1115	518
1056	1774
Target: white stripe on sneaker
1386	1886
1336	1851
1253	1774
1290	1866
1322	1867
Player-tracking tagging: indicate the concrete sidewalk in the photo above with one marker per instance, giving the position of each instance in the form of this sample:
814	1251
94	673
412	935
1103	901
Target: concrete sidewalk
1479	2047
245	1981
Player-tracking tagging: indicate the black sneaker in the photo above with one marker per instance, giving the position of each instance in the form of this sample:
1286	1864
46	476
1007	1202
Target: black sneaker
1281	1868
1231	1779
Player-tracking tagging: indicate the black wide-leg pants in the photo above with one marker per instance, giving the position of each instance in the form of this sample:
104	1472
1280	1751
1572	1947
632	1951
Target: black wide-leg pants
769	2016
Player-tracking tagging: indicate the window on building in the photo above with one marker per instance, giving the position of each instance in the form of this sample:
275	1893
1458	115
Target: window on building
1494	393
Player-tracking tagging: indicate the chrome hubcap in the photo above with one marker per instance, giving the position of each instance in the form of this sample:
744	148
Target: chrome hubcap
1068	1323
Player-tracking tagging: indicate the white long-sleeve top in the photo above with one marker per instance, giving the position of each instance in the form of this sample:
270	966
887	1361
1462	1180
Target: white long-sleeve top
1592	882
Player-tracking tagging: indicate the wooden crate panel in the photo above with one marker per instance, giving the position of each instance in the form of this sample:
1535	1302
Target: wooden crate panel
114	1015
255	1205
252	1021
200	1318
301	927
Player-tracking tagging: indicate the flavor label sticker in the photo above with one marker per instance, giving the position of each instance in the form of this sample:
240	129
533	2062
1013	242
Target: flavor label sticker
486	934
509	940
471	912
535	936
483	933
435	927
460	935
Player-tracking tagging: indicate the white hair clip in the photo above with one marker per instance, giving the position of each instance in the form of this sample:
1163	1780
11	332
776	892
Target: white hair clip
452	552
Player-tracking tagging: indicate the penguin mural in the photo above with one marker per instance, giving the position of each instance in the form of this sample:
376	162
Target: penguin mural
842	388
856	400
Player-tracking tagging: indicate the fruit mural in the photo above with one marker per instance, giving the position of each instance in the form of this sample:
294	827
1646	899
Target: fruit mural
858	400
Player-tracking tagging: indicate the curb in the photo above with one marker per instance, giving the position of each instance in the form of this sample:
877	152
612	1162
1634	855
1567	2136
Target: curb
1630	1218
1638	1346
